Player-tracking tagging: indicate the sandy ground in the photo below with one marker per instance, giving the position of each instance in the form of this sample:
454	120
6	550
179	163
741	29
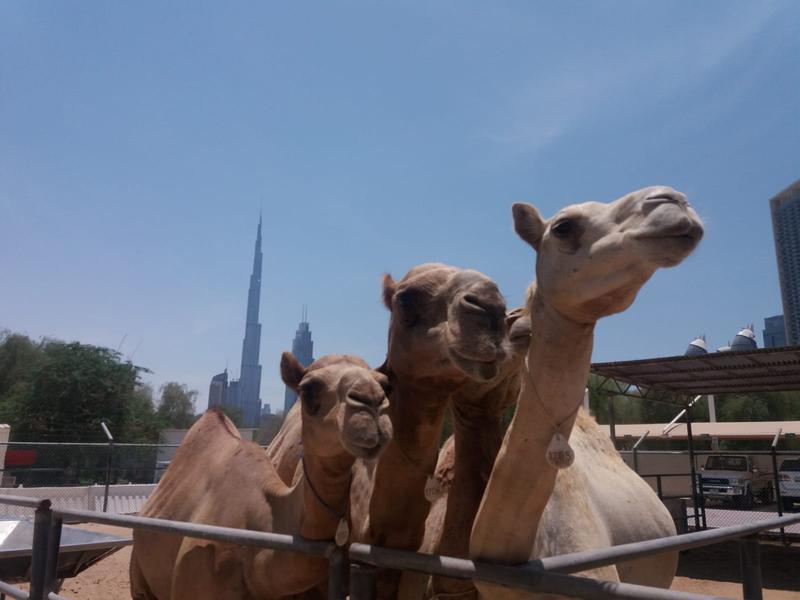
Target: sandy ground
713	570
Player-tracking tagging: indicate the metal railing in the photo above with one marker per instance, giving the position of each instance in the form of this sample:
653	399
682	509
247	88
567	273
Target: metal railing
547	575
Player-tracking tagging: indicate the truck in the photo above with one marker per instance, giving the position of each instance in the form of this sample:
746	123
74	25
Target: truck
789	478
737	479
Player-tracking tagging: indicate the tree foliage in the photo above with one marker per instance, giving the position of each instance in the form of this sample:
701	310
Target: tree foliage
60	391
176	406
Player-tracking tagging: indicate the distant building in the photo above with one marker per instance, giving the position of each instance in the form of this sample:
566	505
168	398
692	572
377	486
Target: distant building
774	332
744	341
266	409
243	397
785	208
697	346
303	350
218	389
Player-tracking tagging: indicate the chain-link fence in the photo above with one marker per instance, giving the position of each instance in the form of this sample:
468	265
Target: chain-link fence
731	488
93	476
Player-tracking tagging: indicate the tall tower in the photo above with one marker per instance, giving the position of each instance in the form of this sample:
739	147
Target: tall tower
303	350
786	229
250	376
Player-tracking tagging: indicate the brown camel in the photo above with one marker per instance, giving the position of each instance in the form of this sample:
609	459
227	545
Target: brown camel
447	332
219	479
592	259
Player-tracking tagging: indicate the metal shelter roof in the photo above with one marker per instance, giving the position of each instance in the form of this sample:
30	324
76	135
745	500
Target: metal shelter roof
767	369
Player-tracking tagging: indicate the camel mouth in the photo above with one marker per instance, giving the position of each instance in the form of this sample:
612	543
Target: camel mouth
480	368
365	449
690	232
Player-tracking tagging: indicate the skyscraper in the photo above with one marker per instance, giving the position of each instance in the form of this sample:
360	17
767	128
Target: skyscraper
303	350
244	396
774	332
785	209
250	374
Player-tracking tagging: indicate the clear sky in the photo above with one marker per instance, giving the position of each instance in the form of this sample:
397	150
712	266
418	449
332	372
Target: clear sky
138	141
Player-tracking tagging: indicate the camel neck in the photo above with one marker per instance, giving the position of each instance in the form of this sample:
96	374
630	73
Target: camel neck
552	388
326	492
398	507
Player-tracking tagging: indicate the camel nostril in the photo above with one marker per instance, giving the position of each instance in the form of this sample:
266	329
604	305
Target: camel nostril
664	196
472	302
357	400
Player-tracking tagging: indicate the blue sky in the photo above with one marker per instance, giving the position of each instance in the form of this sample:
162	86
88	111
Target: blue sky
138	142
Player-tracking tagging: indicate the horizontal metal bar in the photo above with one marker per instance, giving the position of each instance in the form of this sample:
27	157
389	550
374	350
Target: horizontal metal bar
580	561
28	501
14	592
522	577
54	596
260	539
89	444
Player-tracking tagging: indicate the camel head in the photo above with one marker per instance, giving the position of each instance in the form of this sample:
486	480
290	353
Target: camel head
446	323
593	258
344	405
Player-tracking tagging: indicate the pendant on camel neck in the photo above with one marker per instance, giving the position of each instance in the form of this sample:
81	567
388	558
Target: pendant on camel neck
559	453
433	489
342	532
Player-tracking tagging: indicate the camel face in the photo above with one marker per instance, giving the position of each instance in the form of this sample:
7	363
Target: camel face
344	405
593	258
446	323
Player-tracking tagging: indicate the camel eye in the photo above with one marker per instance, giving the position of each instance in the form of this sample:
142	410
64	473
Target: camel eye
564	228
310	394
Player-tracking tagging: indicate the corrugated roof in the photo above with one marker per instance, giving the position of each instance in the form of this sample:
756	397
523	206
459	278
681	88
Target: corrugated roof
767	369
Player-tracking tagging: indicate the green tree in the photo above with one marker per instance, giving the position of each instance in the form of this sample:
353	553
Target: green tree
176	406
66	391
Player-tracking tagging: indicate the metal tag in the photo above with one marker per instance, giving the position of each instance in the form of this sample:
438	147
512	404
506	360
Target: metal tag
559	453
342	532
433	490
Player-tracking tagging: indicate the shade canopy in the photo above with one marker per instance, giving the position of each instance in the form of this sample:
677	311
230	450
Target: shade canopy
764	370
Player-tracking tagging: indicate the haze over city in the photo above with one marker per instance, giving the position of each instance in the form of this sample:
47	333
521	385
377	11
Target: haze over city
138	144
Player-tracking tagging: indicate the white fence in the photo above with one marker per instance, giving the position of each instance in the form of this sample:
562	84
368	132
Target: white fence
122	499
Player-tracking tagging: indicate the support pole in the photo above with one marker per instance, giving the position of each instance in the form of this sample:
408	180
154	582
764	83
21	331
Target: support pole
750	561
776	479
636	450
363	585
612	421
42	522
109	456
692	470
336	565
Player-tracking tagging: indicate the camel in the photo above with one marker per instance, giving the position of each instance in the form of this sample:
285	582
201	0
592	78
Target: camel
592	259
219	479
448	330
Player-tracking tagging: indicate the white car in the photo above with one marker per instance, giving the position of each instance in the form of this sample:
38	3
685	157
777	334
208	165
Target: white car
789	477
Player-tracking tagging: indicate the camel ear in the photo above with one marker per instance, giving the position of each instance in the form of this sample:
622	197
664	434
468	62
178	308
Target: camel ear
389	286
528	223
292	370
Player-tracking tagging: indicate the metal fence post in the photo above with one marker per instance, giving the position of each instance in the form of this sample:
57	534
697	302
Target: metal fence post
363	585
336	567
53	548
750	560
42	523
108	463
696	480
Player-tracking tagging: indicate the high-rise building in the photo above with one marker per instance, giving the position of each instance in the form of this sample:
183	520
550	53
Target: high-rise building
303	350
250	375
218	389
785	209
774	332
243	396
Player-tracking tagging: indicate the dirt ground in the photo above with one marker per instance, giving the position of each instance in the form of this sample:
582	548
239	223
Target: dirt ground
713	570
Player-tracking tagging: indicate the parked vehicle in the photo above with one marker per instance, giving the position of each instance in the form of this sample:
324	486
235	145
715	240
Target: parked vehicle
738	479
789	477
